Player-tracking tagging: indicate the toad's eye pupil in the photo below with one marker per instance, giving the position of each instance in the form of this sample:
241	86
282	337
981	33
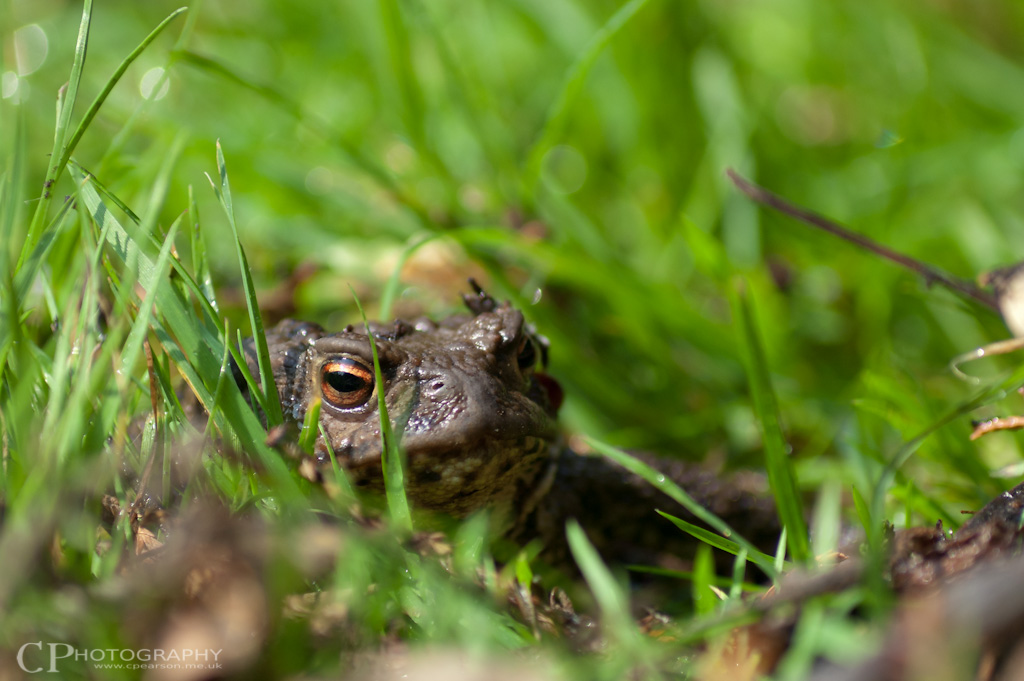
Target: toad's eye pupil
527	354
345	382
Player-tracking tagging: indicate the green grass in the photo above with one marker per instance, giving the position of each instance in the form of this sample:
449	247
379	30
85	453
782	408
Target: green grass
572	156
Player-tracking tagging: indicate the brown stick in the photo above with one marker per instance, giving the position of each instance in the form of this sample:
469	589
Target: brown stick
931	274
998	423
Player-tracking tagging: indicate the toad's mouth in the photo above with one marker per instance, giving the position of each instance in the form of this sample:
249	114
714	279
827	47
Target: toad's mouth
460	481
430	453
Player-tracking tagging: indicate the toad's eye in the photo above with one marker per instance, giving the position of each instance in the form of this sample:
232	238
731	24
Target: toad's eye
527	354
346	383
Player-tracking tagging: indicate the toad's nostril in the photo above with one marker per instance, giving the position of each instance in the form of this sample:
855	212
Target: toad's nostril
437	385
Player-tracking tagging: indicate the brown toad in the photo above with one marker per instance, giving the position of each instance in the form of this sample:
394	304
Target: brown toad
475	416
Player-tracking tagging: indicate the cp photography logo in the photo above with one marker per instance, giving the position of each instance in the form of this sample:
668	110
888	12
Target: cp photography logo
36	656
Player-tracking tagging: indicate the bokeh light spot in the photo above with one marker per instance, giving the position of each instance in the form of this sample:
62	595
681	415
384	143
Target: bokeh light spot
319	180
30	49
149	82
9	84
565	169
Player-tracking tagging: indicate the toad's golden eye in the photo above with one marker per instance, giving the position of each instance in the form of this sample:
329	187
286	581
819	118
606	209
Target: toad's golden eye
527	354
346	383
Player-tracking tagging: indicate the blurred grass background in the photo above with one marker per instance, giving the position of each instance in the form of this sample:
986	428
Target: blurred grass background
572	156
355	129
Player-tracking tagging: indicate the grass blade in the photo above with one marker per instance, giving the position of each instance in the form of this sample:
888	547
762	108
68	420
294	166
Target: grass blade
609	595
863	511
272	402
758	558
390	451
662	483
340	478
612	599
200	259
238	352
827	519
555	122
704	595
781	475
723	582
108	195
65	106
310	426
94	108
27	271
11	184
133	345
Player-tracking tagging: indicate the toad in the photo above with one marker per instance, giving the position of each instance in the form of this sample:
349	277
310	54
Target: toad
475	414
